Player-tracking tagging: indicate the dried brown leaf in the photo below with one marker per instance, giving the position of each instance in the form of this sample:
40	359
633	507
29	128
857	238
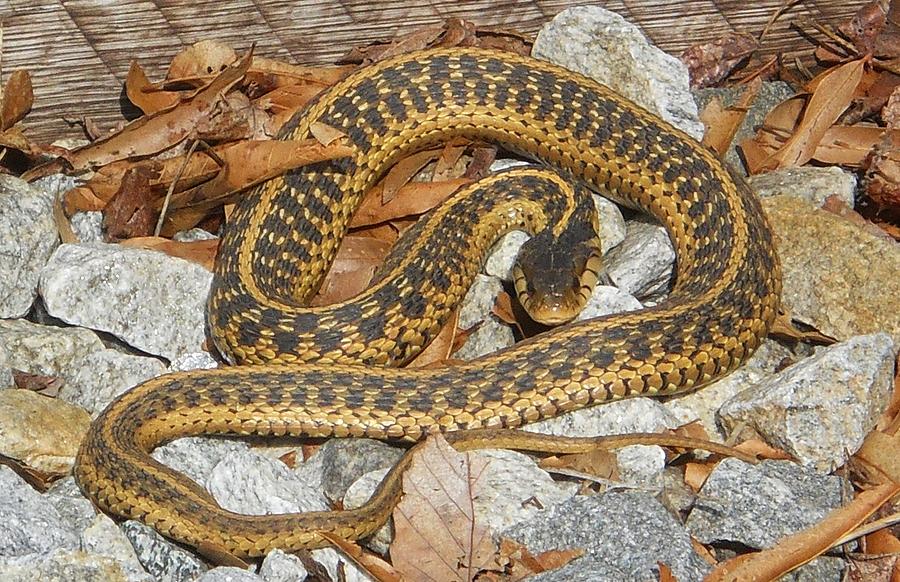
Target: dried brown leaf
882	541
156	133
522	564
437	537
695	474
411	200
357	259
18	97
374	566
439	350
598	463
404	171
832	94
665	573
40	383
201	60
131	212
324	133
723	123
711	62
202	252
144	95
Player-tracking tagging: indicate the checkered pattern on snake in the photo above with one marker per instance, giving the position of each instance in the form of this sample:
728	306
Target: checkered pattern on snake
724	299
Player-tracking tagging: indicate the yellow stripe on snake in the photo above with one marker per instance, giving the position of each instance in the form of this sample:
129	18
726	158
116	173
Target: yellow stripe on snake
311	382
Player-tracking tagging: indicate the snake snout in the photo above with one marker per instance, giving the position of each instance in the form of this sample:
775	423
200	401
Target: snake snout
554	279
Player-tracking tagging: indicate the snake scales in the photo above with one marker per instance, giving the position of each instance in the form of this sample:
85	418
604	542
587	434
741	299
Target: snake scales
723	302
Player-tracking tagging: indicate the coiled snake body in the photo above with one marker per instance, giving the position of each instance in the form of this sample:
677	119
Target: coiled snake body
723	302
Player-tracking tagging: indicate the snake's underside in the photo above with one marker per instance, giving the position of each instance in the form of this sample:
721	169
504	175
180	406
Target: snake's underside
724	299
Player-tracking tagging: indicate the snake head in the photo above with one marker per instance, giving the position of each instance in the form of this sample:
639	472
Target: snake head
554	277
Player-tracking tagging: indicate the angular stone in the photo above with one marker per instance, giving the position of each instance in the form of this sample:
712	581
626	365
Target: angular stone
601	44
103	375
642	264
838	278
757	505
809	183
163	559
154	302
820	409
31	525
626	532
29	236
45	349
41	432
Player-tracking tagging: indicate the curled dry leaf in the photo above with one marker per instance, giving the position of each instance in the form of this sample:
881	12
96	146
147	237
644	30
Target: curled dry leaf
411	200
711	62
832	93
437	537
201	60
723	123
357	259
156	133
202	252
132	210
144	95
18	97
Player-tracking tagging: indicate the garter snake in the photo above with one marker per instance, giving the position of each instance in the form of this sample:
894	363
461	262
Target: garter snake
723	301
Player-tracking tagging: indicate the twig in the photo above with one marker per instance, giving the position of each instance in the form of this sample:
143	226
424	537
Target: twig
171	190
868	528
785	6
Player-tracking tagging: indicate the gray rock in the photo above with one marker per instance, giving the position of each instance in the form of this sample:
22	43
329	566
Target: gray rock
357	494
44	349
228	574
491	334
587	569
822	569
626	532
74	508
55	185
281	567
808	182
88	226
29	236
43	433
103	375
250	483
104	538
757	505
820	409
603	45
704	404
193	361
192	235
839	278
619	417
612	223
346	460
165	561
6	375
30	524
770	95
154	302
502	255
62	566
642	264
196	457
606	300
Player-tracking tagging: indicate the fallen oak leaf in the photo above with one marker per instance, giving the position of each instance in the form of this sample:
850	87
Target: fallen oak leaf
437	537
144	95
